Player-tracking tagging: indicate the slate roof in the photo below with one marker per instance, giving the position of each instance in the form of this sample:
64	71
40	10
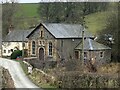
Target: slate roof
60	30
90	44
17	36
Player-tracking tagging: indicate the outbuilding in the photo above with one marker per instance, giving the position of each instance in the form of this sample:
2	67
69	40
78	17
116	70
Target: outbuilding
95	52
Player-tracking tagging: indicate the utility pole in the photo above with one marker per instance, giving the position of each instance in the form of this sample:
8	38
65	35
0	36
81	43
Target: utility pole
1	30
23	46
83	31
82	53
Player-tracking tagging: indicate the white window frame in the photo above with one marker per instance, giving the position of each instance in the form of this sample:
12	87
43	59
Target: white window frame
49	49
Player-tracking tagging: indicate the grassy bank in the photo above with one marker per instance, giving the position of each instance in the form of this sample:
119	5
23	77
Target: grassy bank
36	77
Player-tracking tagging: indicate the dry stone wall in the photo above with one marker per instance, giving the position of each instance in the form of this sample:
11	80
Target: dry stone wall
5	79
0	78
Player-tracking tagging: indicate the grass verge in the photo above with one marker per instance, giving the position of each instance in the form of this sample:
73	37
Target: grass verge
35	77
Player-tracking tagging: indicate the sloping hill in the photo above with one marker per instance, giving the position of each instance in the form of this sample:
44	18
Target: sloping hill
28	13
97	21
28	10
26	16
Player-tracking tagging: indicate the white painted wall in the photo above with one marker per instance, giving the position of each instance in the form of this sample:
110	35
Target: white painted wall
0	52
7	46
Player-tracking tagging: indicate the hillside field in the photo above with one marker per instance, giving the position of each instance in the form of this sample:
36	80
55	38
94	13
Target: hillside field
28	12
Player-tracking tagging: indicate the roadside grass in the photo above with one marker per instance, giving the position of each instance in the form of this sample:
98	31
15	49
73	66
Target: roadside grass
35	77
48	87
111	69
41	80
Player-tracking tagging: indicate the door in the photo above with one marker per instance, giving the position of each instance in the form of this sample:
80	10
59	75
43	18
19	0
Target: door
93	57
41	54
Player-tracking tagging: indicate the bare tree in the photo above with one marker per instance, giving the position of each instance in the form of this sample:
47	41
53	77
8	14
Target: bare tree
8	10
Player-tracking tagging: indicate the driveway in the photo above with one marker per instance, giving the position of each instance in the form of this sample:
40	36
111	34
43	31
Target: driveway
18	76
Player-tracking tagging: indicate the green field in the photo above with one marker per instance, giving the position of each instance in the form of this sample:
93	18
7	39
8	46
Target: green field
95	21
27	10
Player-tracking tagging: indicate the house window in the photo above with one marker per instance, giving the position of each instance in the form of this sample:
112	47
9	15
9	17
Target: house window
4	51
62	43
43	42
101	54
85	55
40	42
41	34
9	51
76	55
33	47
50	48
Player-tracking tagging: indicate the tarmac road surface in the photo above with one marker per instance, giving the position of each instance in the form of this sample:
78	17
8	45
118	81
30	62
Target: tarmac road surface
17	74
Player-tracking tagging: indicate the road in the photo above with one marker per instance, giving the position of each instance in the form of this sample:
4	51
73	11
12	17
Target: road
17	74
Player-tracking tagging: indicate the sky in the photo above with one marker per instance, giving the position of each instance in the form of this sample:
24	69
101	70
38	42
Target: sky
37	1
28	1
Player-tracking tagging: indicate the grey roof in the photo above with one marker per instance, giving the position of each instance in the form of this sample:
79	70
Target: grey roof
90	44
60	30
17	35
66	30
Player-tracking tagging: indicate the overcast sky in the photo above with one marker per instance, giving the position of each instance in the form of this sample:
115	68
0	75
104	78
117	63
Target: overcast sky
28	1
37	1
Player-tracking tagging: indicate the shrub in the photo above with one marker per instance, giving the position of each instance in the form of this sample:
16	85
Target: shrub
16	53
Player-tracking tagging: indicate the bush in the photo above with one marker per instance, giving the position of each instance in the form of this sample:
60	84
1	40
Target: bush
16	54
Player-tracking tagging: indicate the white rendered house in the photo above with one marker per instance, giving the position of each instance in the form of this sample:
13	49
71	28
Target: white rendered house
15	39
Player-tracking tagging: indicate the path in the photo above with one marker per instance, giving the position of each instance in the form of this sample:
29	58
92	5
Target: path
18	76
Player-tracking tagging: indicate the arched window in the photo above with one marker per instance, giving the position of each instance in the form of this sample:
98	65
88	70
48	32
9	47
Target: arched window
33	47
50	48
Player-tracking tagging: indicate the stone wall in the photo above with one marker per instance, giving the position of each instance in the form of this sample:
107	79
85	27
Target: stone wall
5	79
0	78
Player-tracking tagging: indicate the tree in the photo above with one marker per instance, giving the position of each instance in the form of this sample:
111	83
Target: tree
70	12
109	36
8	11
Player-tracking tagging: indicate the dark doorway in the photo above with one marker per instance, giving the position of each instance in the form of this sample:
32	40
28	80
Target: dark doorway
41	54
76	55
